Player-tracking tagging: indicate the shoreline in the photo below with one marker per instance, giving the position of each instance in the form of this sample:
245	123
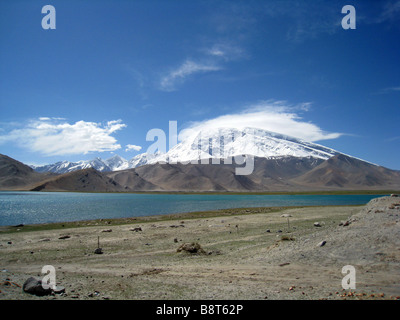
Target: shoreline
156	218
311	192
184	214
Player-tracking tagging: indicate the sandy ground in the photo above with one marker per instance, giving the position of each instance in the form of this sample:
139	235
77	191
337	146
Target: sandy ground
246	257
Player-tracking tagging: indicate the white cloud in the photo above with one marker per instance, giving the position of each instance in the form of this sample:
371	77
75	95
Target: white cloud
50	136
391	12
388	90
211	59
179	75
132	147
226	51
392	89
275	116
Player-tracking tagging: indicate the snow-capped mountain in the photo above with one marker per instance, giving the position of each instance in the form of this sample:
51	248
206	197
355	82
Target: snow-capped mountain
229	142
117	163
218	143
66	166
142	159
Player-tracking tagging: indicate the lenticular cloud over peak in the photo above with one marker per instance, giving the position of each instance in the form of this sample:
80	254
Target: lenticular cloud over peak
274	116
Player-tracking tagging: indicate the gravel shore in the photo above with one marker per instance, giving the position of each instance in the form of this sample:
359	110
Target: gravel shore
250	254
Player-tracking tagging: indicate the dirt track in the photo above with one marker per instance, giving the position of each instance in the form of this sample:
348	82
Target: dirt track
245	256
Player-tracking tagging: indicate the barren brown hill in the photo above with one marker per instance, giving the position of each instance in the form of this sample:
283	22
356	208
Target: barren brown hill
131	181
89	180
16	175
277	174
269	175
346	172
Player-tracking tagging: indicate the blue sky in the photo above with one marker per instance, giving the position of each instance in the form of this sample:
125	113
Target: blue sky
113	70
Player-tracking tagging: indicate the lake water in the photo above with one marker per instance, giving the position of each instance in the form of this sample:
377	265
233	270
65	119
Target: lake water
43	207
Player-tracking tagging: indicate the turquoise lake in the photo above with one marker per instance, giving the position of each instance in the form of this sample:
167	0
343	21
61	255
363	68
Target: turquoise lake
43	207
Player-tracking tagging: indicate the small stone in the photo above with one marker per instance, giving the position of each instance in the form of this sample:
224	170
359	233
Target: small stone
284	264
106	230
317	224
59	289
64	237
322	243
98	251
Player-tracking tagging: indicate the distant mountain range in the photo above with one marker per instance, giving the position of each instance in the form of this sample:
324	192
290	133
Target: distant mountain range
114	163
281	163
219	143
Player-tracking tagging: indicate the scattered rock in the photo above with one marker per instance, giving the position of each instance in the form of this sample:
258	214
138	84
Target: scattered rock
137	229
287	238
176	240
284	264
98	251
176	226
45	239
268	230
317	224
59	290
106	230
9	283
322	243
64	237
94	294
193	248
216	252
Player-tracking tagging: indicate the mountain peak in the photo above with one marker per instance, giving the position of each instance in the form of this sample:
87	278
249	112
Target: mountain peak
229	142
116	157
213	143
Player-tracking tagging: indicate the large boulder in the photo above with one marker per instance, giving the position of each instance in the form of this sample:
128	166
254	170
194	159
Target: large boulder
34	286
